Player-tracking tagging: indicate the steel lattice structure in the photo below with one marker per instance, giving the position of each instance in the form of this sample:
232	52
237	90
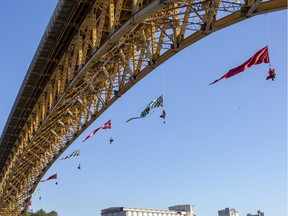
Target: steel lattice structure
92	52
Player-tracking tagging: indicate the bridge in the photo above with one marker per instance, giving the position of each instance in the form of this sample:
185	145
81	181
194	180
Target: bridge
91	53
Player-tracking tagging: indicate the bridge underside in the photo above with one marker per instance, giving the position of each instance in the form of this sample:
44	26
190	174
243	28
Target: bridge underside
100	49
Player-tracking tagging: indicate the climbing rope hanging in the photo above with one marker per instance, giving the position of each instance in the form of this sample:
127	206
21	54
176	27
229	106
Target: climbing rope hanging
163	115
271	71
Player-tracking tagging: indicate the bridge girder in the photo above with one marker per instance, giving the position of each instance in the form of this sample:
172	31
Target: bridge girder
117	44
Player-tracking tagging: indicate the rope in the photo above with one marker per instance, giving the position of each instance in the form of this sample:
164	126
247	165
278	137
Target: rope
163	84
97	167
268	38
110	131
140	148
226	120
163	88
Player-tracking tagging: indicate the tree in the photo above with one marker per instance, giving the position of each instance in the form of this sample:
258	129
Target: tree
52	213
41	212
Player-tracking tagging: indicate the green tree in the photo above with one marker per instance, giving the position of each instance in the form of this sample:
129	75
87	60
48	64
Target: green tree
41	212
52	213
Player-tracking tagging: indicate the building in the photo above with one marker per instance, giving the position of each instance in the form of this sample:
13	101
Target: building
228	212
259	213
178	210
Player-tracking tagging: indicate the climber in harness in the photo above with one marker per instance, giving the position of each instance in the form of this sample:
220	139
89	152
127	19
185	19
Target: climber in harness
271	74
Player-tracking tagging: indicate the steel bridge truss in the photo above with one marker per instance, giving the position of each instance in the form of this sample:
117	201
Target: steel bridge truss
118	43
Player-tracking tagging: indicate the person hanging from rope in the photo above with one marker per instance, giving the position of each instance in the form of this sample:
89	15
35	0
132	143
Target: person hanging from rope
163	115
111	140
271	74
79	166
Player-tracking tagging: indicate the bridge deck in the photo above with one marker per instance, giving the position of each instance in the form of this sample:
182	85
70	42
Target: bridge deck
92	52
59	32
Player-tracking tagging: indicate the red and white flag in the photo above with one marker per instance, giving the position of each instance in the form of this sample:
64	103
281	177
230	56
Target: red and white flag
50	178
107	125
29	203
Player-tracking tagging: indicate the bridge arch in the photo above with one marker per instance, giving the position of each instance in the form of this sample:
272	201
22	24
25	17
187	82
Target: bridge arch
92	73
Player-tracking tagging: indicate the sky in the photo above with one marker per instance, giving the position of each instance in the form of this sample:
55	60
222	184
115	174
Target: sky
222	146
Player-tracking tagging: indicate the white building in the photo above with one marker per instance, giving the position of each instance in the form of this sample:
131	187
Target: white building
259	213
228	212
179	210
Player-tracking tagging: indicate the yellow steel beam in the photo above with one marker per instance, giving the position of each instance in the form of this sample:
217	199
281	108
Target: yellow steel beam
96	70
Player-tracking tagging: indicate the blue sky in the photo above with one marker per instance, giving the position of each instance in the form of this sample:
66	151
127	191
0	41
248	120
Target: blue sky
222	146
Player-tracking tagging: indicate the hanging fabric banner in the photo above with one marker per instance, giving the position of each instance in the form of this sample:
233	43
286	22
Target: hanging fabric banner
158	102
73	154
259	57
50	178
107	125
